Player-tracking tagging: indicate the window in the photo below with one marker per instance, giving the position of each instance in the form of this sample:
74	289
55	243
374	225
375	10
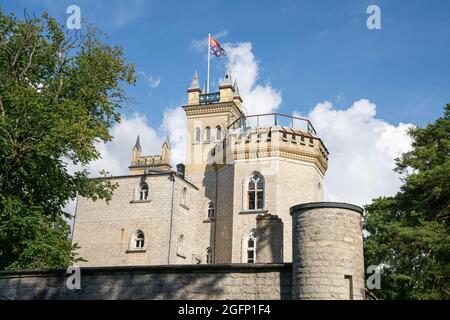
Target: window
197	135
207	134
255	193
218	133
211	211
138	242
143	191
184	196
209	256
180	245
251	247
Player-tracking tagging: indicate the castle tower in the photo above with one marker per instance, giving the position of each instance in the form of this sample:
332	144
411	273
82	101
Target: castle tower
246	166
328	260
208	117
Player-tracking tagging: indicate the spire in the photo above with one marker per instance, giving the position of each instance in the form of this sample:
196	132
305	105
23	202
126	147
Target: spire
204	88
195	83
165	156
137	145
226	80
236	89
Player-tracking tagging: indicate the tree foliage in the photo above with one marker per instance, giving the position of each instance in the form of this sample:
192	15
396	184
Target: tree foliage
409	233
60	92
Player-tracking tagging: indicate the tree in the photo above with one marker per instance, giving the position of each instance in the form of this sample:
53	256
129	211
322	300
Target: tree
60	92
409	234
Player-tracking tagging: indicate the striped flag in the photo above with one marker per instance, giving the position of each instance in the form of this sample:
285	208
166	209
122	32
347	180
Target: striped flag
215	48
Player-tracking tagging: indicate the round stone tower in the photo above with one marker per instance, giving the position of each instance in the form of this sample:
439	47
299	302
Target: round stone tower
327	251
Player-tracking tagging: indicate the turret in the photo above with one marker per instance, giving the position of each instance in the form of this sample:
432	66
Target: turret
136	151
226	89
194	90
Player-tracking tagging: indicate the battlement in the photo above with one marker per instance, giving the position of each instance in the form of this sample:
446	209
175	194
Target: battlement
144	164
262	136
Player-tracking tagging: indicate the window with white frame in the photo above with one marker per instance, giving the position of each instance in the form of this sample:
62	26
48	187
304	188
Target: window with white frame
197	135
138	240
211	210
143	191
209	256
180	245
255	192
250	247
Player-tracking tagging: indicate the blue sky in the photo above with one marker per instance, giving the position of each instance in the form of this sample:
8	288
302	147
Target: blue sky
361	88
310	51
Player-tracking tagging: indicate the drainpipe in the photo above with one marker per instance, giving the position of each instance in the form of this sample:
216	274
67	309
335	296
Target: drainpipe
216	208
172	178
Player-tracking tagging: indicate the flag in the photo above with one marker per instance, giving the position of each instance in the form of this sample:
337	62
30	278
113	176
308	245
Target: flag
215	48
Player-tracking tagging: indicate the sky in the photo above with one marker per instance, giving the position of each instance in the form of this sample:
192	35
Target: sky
361	88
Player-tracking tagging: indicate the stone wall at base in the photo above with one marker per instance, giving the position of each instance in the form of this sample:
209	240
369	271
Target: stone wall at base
232	281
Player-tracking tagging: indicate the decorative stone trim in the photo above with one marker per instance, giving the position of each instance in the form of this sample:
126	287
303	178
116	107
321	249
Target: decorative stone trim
184	206
136	251
259	211
319	205
140	201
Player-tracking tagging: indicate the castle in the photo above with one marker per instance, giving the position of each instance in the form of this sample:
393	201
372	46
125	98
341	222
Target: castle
250	192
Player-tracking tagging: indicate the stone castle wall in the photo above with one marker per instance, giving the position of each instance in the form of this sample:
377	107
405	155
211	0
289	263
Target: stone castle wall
198	282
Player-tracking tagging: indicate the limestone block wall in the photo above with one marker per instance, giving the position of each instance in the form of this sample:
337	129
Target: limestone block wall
104	230
328	258
287	183
166	282
224	219
269	231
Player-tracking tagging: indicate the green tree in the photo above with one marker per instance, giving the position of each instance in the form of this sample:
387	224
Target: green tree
409	233
60	92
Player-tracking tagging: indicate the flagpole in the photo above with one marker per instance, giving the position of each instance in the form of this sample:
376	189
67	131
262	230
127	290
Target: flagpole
209	56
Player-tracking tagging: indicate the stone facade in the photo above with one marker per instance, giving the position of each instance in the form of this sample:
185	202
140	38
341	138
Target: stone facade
328	251
230	201
206	282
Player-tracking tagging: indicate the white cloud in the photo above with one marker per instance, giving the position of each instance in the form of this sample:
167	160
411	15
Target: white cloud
174	125
362	151
116	154
152	81
244	67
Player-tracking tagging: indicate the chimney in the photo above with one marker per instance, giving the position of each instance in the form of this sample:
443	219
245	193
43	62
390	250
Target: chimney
180	170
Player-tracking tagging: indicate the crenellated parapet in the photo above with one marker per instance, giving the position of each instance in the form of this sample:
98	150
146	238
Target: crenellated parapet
144	164
271	142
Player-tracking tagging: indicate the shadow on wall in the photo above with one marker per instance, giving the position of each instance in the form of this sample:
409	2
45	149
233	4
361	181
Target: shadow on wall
140	283
269	232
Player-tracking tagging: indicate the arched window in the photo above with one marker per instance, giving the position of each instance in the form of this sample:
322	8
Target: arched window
218	133
211	210
250	248
197	135
184	196
207	134
255	192
209	256
180	245
138	241
143	191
